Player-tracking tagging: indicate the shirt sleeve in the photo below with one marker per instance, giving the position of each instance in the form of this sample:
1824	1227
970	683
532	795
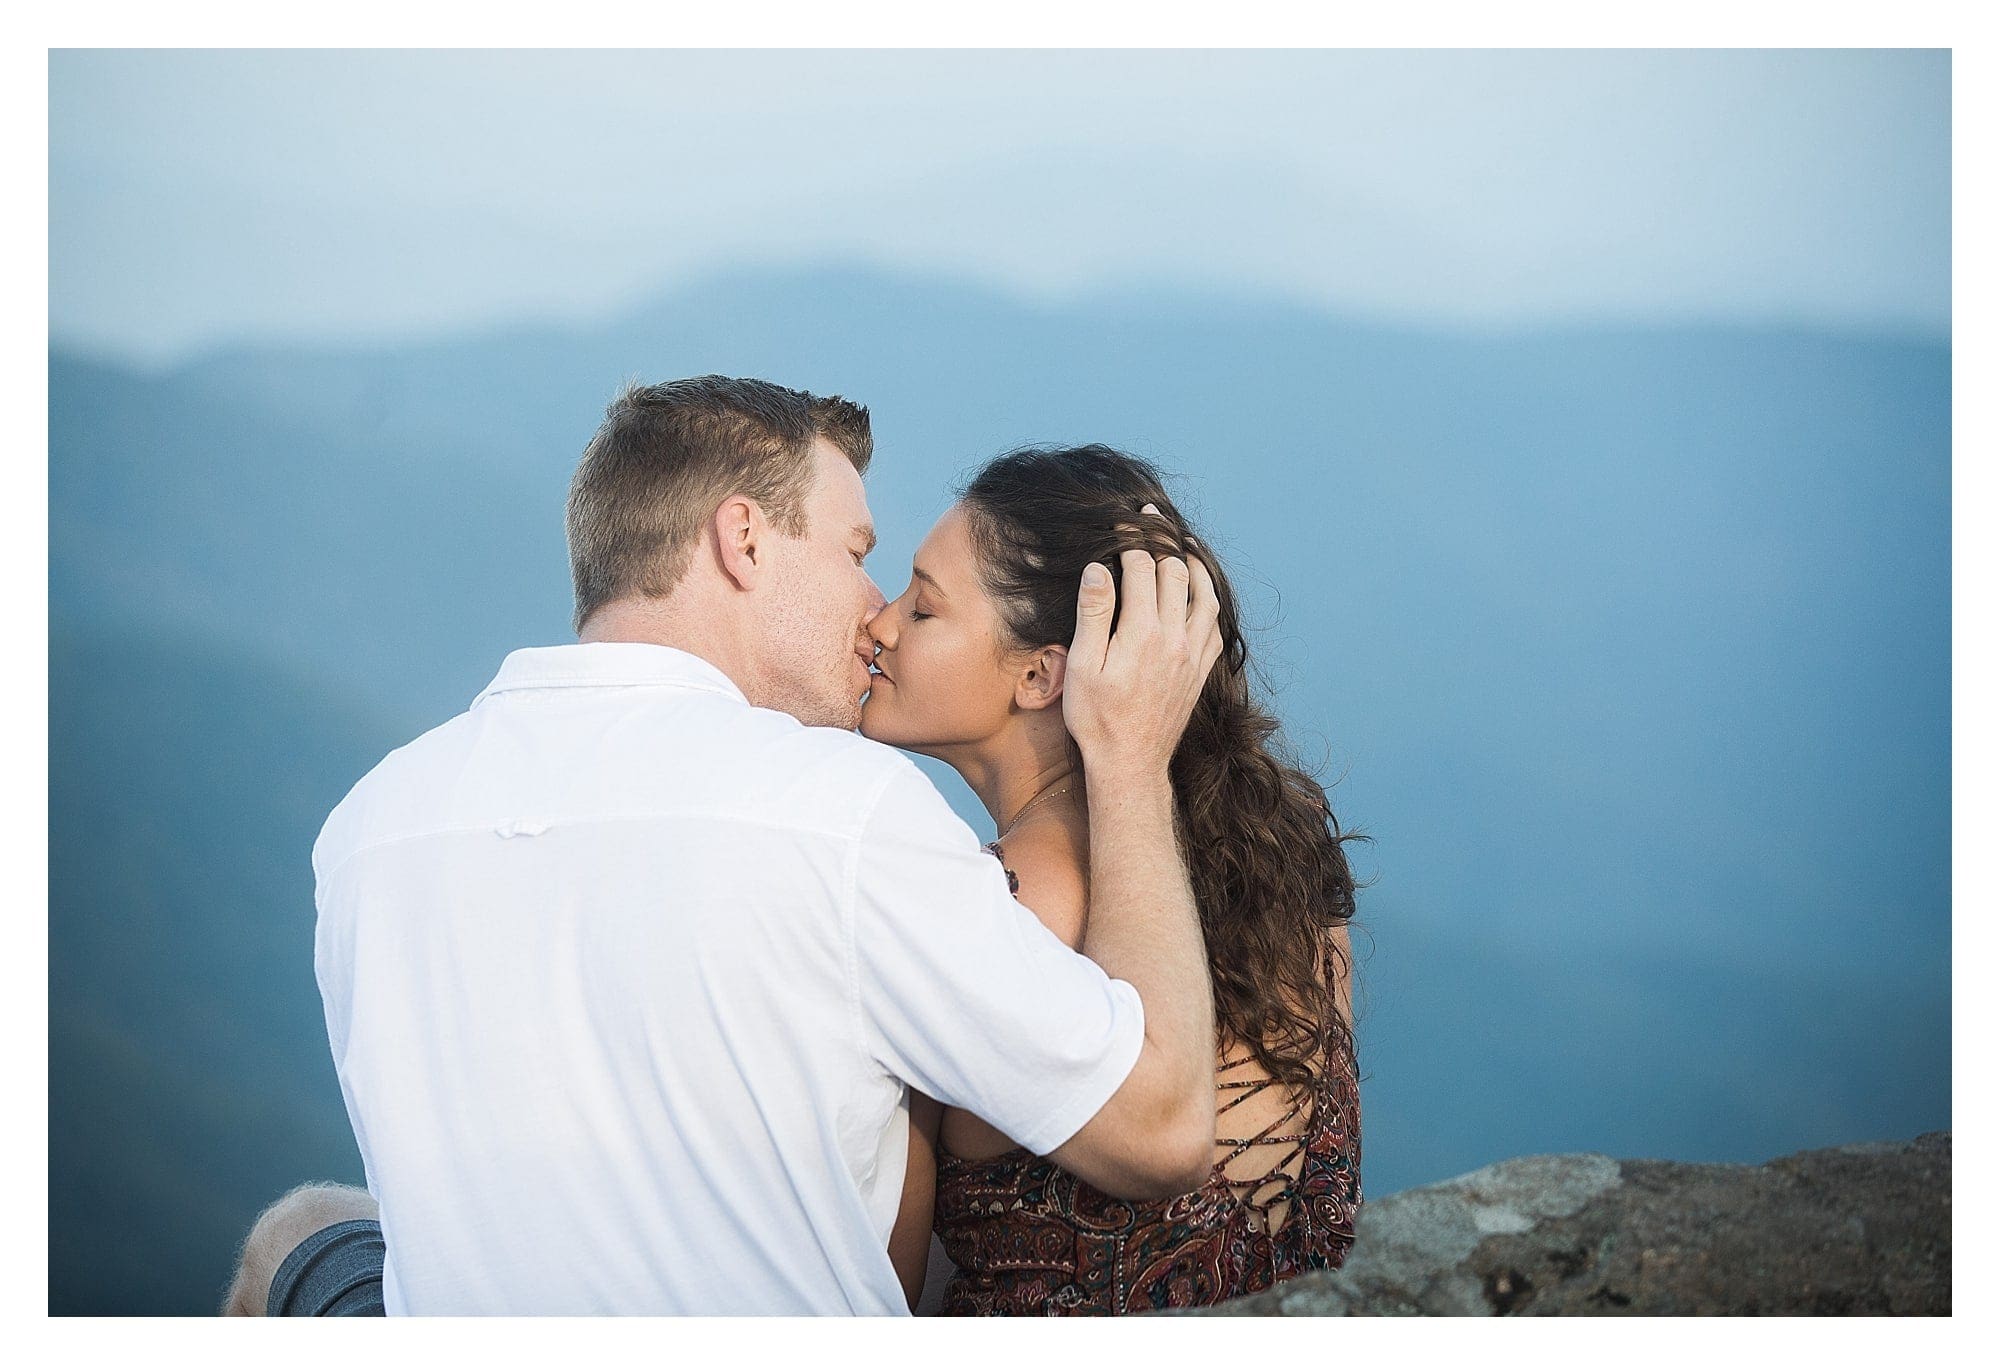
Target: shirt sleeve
964	994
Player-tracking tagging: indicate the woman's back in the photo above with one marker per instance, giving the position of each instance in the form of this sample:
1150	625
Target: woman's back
1027	1237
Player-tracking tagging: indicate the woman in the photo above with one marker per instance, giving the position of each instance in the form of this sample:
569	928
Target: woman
971	673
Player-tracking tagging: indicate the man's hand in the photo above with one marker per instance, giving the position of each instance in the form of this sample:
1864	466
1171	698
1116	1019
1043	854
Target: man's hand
1127	697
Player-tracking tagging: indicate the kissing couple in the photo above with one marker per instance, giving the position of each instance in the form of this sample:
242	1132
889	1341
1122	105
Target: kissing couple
658	981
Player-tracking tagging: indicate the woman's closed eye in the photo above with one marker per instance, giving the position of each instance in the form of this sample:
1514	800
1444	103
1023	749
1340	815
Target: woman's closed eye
916	615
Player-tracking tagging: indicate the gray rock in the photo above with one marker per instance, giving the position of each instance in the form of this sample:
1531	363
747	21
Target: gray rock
1864	1229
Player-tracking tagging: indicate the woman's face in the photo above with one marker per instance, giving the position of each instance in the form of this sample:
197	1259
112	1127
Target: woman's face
946	680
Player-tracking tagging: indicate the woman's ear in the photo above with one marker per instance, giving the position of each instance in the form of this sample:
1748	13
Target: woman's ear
1041	682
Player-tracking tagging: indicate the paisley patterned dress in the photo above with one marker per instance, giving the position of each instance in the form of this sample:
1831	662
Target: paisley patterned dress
1027	1237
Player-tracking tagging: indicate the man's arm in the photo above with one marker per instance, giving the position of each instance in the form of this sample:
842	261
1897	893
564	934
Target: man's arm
1126	700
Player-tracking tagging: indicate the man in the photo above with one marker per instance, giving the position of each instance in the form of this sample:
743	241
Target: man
629	970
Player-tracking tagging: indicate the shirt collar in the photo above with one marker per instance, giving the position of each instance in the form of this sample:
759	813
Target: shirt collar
609	664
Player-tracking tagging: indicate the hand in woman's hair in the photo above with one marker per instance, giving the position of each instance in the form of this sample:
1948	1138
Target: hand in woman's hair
1127	696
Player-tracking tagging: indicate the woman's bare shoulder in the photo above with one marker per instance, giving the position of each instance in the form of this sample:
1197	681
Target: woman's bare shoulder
1049	859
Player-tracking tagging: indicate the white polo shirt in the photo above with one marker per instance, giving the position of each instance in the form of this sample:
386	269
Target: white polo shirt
626	981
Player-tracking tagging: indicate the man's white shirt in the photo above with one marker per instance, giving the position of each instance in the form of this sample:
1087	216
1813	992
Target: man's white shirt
627	981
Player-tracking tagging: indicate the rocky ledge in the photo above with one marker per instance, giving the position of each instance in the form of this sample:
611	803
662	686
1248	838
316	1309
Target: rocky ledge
1864	1229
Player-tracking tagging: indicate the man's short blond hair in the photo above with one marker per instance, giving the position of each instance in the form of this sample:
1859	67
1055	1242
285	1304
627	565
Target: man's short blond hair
668	454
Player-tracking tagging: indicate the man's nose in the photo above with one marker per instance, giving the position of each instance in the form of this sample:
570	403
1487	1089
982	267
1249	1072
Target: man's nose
876	601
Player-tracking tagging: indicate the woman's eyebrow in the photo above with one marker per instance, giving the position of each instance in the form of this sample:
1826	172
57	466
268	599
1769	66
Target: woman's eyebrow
931	582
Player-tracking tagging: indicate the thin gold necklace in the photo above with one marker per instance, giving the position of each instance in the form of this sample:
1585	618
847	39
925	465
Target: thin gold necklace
1038	796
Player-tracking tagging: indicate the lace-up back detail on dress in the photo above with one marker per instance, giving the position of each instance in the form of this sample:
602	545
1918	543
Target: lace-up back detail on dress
1027	1237
1262	1169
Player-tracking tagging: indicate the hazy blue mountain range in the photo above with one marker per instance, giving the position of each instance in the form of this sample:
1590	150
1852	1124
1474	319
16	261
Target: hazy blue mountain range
1631	649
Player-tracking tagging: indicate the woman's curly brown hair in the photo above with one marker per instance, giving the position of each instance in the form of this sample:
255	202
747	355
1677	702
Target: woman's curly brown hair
1263	847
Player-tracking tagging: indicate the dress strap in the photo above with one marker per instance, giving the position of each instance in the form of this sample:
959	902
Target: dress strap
1013	882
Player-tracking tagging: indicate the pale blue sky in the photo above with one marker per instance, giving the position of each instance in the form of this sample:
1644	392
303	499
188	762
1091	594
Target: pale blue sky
203	198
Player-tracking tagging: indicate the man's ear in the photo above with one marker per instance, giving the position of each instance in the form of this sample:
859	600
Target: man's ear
742	540
1041	682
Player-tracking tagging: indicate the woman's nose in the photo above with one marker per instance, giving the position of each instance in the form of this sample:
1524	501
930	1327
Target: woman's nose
881	627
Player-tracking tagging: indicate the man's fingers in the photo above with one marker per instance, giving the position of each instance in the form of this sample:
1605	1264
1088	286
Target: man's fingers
1204	607
1204	612
1177	580
1095	603
1139	592
1173	583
